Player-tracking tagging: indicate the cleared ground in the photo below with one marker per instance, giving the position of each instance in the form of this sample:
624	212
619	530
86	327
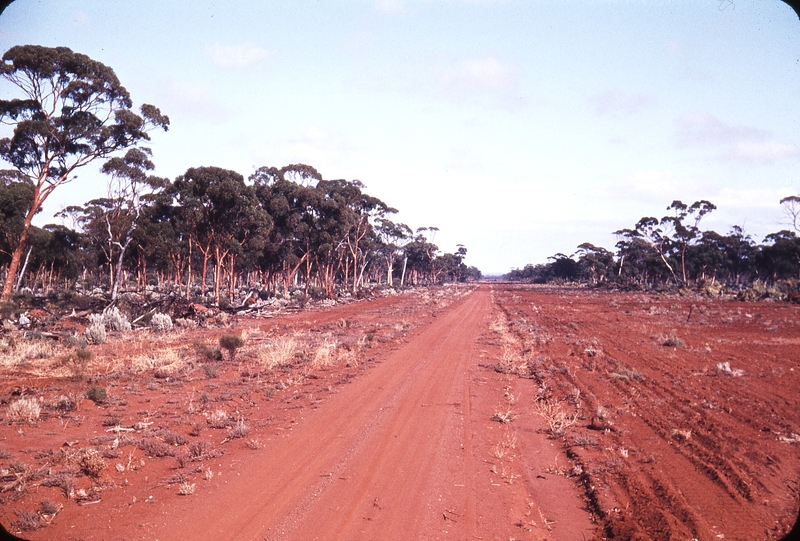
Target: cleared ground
508	412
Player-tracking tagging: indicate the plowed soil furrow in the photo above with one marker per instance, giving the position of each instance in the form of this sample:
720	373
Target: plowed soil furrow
677	446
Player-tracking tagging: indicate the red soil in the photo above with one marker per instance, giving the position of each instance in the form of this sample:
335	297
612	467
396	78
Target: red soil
407	442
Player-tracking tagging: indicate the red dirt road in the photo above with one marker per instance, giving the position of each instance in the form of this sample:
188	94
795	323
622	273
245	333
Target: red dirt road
389	457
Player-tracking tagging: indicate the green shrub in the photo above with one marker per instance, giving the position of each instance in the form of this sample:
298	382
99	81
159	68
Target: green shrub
231	342
204	350
97	394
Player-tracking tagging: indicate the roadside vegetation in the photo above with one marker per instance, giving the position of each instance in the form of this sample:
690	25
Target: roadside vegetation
673	253
209	236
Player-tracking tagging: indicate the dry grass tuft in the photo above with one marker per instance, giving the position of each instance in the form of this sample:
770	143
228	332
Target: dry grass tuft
218	419
186	489
25	410
505	447
557	419
277	353
725	369
503	416
681	434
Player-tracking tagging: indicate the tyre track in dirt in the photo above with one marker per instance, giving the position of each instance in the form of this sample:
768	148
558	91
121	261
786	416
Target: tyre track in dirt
647	477
383	459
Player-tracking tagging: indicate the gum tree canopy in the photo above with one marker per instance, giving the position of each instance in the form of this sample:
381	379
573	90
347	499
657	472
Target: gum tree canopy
73	111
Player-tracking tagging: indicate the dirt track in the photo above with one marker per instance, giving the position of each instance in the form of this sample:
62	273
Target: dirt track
391	456
656	442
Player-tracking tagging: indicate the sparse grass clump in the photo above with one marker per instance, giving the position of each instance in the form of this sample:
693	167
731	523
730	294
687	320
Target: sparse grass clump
218	419
503	416
725	369
18	350
186	489
673	341
681	434
27	521
623	372
557	419
279	352
25	410
208	352
239	430
91	462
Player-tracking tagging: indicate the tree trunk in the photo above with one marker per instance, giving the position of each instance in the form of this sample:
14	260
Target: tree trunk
403	276
118	274
16	256
24	266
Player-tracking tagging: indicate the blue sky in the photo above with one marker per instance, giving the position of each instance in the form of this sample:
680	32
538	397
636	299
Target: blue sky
518	128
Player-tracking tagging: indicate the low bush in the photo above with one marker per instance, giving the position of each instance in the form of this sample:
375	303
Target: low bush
161	323
231	343
97	394
91	463
25	410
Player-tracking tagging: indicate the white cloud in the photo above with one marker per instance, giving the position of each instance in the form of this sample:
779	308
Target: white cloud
735	143
657	187
315	145
704	129
243	55
195	101
762	151
617	104
81	20
481	75
391	7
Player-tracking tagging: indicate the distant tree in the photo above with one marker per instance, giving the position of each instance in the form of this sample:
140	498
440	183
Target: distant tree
392	236
791	206
16	197
221	215
594	262
685	234
74	110
112	220
563	267
780	257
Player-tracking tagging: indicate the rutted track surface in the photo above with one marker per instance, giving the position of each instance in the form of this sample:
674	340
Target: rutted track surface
401	453
671	444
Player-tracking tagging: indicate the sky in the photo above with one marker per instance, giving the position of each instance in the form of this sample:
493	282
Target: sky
520	129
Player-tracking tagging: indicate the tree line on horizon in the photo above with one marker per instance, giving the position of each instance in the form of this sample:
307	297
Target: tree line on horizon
208	231
674	252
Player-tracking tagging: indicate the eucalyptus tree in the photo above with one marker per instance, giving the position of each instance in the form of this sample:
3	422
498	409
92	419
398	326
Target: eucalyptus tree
359	211
58	252
791	207
112	220
16	197
779	258
418	257
635	258
450	267
221	215
290	196
594	262
685	233
73	111
392	238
